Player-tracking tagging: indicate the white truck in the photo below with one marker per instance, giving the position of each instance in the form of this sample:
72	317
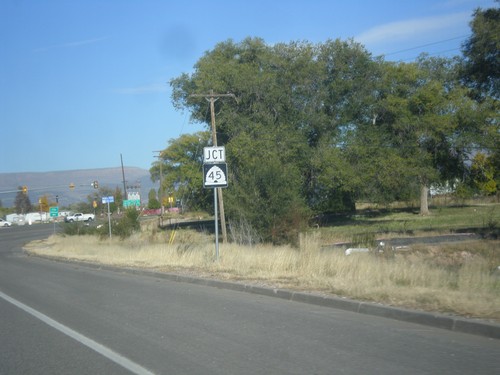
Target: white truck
79	217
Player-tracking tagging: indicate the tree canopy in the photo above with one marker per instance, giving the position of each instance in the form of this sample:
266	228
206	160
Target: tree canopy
22	202
181	165
313	128
482	53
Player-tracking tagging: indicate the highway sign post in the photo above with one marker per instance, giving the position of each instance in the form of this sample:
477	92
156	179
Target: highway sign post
108	200
54	212
215	176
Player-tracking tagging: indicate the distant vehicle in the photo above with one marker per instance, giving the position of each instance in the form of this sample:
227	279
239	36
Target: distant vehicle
33	217
5	223
79	217
15	219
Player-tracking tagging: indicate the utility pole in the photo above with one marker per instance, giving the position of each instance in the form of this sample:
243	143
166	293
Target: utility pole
212	97
160	192
124	182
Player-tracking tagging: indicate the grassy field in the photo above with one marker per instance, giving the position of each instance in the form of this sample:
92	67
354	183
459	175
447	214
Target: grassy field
484	219
460	279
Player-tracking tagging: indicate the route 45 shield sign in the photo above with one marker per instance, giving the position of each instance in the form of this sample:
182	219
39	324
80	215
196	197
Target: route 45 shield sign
214	175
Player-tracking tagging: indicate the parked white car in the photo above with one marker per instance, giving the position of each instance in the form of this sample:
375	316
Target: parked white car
5	223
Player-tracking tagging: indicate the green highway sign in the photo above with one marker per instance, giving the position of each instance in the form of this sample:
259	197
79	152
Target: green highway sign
132	203
54	211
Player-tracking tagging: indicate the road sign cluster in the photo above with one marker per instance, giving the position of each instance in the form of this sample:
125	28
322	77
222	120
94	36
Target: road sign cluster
214	167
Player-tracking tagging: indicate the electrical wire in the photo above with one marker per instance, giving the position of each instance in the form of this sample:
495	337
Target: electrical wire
425	45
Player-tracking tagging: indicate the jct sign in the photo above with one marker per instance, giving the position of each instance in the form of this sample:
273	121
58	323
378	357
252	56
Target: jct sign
214	154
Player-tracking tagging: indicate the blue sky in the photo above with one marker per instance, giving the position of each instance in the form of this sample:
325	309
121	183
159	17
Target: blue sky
85	81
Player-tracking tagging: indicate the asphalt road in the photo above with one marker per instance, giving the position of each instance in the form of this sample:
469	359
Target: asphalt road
61	318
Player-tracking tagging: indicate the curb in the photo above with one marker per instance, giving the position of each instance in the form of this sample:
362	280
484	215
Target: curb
456	324
452	323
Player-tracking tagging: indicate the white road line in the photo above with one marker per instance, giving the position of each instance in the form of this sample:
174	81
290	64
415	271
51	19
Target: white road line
101	349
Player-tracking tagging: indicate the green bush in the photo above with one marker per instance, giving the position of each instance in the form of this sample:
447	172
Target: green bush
124	227
78	229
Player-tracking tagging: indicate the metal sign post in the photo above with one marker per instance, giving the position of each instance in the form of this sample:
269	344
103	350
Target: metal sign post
216	227
108	200
215	176
54	212
109	221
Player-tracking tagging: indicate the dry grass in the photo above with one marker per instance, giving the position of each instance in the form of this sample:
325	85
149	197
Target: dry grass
456	279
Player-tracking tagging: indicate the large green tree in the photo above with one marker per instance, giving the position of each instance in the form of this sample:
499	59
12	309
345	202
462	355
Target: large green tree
153	202
292	102
22	202
481	52
483	174
313	127
426	125
481	72
346	78
181	169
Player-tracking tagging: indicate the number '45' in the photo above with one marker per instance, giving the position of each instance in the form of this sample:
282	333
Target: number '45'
217	175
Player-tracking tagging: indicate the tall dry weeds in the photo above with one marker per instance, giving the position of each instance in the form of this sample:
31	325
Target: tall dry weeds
429	279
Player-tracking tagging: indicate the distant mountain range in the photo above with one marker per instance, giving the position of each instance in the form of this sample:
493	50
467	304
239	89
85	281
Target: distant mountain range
57	183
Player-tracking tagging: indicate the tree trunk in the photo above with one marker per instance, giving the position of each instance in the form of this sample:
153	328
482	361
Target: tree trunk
424	204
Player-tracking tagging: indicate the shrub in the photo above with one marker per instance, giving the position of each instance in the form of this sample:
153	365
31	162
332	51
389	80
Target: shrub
125	226
78	229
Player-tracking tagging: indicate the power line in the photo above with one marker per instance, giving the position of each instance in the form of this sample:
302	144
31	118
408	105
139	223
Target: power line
425	45
433	54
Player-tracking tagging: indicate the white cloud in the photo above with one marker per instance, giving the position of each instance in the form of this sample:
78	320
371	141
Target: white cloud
84	42
408	29
77	43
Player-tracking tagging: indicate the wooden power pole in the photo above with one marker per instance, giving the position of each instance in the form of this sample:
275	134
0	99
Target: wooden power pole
212	98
